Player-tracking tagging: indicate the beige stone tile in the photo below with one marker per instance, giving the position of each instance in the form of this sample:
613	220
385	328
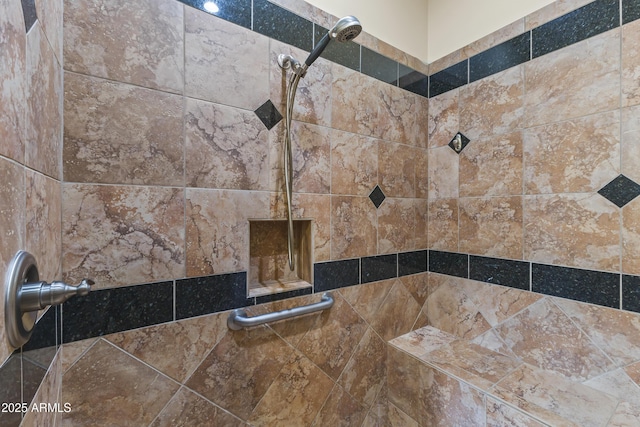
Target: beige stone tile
365	299
48	394
397	418
378	416
505	33
334	338
578	230
50	14
547	416
13	81
492	167
295	396
187	409
340	409
444	118
555	393
422	341
443	225
354	164
575	81
217	233
552	11
618	384
397	169
631	238
225	147
615	332
633	371
174	348
397	314
116	133
543	336
73	351
575	156
317	207
44	105
499	303
313	97
491	226
120	235
422	173
630	64
134	42
446	61
402	116
626	415
500	414
353	227
444	165
99	386
397	222
311	147
43	237
240	369
493	105
492	341
405	383
630	142
418	286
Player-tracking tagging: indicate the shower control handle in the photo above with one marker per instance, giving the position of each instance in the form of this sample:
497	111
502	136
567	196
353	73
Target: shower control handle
39	295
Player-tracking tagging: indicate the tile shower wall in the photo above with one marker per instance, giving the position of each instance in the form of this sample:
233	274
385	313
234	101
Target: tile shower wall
30	152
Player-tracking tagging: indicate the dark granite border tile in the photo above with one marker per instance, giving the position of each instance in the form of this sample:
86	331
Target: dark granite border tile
501	57
630	10
46	332
346	54
379	66
594	287
210	294
450	263
284	295
412	262
107	311
631	293
448	79
380	267
336	274
505	272
413	81
587	21
236	11
273	21
29	13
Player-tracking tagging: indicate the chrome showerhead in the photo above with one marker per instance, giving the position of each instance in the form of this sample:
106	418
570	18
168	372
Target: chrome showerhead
346	29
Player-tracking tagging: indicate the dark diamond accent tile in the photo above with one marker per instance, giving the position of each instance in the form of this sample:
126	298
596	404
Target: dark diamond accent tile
412	263
379	66
107	311
268	114
346	54
620	191
413	81
630	10
377	196
211	294
501	57
631	293
449	263
380	267
464	141
448	79
280	24
594	287
283	295
587	21
29	13
236	11
336	274
505	272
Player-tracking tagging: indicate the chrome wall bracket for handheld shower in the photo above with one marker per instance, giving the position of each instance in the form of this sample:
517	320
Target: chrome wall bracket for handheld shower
25	294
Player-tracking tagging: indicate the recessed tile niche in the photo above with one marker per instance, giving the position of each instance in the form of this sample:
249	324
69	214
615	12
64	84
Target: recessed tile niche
269	271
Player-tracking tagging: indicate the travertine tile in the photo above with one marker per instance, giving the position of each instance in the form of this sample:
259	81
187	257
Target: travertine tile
579	230
543	336
626	415
492	167
295	396
135	42
367	298
397	226
50	14
492	341
121	236
175	348
396	169
493	105
378	415
353	227
48	394
240	369
116	133
631	238
187	409
630	119
499	303
402	116
225	147
73	351
340	409
500	414
615	332
397	314
422	173
491	226
633	371
217	233
618	384
99	386
398	418
422	341
575	156
44	113
568	399
334	338
444	118
13	81
311	148
575	81
630	64
443	225
354	163
418	286
444	165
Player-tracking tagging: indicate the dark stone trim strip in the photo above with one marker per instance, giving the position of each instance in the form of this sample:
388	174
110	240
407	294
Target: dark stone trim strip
448	79
505	272
379	66
381	267
211	294
413	81
501	57
630	10
277	23
631	293
412	263
284	295
449	263
336	274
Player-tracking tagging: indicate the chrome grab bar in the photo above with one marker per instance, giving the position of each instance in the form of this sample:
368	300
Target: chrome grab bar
238	318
